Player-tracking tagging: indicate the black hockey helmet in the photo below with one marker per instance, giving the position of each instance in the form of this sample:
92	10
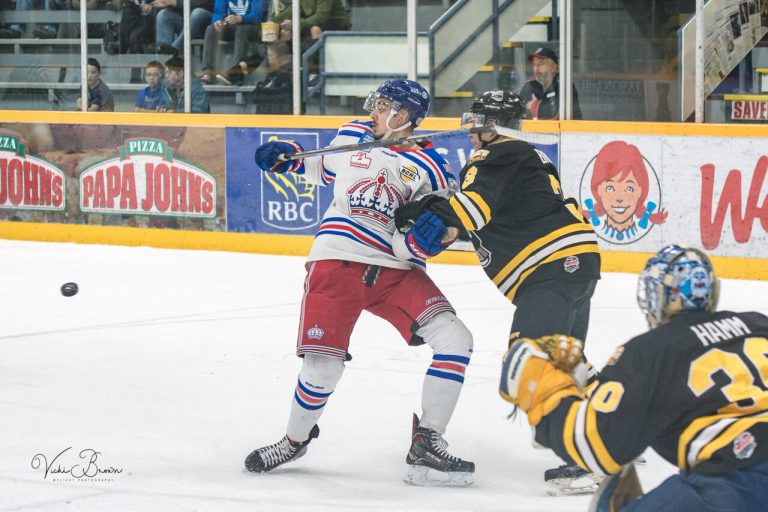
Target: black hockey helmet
499	108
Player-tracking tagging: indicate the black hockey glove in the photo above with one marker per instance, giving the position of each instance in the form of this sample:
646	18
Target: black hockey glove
406	215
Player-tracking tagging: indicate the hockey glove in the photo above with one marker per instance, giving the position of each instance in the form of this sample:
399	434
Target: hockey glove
425	238
536	374
268	157
407	214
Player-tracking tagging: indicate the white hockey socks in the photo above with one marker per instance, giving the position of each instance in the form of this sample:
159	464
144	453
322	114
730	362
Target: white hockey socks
452	344
317	380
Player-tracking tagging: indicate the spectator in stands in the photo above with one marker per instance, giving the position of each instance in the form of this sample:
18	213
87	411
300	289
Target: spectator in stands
153	98
100	97
45	31
316	17
174	89
540	93
137	25
231	20
170	23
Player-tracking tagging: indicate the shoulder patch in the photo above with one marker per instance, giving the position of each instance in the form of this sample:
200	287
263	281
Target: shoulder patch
480	154
543	156
409	173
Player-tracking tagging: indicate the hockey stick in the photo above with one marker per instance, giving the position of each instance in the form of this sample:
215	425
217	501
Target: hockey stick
534	138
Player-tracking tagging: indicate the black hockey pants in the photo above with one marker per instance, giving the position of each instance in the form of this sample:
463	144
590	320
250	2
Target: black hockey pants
553	307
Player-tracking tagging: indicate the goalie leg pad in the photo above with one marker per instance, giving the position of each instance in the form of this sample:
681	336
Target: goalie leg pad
617	491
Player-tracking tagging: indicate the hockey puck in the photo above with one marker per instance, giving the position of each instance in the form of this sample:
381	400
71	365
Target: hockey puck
68	289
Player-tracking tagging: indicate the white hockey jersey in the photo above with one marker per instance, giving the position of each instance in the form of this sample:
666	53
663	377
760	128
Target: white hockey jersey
368	186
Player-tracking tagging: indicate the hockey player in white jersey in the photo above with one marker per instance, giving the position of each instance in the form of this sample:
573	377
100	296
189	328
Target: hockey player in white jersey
358	262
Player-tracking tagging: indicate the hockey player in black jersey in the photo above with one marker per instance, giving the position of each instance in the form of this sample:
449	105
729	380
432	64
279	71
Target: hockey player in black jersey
534	244
694	388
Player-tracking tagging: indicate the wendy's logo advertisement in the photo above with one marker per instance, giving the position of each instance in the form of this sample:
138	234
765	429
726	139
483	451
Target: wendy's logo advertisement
620	194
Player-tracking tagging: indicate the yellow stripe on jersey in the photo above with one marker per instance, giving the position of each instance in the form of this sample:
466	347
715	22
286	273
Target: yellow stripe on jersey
570	251
462	214
728	436
598	446
537	244
568	432
480	203
693	430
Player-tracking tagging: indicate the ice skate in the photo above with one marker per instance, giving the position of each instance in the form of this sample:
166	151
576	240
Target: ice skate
570	480
430	464
269	457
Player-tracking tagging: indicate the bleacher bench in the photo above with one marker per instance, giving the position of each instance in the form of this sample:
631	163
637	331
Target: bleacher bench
52	87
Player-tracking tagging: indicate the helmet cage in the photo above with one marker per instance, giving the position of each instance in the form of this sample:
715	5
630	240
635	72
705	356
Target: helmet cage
404	94
677	280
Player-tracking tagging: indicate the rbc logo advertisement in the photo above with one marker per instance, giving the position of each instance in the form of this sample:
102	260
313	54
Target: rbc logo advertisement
288	201
259	202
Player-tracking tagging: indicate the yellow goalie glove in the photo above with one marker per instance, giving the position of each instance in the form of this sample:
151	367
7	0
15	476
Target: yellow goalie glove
537	374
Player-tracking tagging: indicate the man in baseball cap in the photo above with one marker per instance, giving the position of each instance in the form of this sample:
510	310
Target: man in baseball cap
540	92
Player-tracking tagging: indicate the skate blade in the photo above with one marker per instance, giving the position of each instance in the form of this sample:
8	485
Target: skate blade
423	476
586	484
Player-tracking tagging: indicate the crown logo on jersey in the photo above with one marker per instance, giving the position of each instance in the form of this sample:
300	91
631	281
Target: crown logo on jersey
315	332
374	198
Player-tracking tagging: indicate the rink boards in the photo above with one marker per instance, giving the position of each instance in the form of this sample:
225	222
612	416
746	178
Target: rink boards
191	182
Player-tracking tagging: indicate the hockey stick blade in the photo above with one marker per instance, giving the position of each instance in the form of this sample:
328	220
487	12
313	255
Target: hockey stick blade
533	138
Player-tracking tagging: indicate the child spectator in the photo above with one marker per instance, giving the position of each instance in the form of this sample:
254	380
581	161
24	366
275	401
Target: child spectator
174	89
153	97
239	21
100	97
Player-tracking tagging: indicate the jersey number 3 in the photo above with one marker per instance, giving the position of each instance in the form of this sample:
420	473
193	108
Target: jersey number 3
741	390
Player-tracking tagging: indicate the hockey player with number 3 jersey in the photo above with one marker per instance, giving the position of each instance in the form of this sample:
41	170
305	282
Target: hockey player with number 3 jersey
533	243
360	262
694	388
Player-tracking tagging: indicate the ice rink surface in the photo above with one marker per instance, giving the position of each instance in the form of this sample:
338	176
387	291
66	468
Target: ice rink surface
173	365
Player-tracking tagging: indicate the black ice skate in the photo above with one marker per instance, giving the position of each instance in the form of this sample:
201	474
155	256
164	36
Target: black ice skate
285	450
570	480
430	464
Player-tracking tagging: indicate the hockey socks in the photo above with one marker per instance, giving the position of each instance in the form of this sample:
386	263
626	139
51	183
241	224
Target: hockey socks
317	380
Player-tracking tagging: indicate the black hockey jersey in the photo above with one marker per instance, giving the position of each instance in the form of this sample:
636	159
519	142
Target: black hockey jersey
695	390
521	227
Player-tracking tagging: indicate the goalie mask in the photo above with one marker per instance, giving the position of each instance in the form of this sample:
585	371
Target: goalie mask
404	94
495	108
676	280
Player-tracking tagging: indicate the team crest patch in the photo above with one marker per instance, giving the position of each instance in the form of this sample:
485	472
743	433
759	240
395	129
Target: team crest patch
744	445
571	264
315	332
374	199
409	173
480	154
